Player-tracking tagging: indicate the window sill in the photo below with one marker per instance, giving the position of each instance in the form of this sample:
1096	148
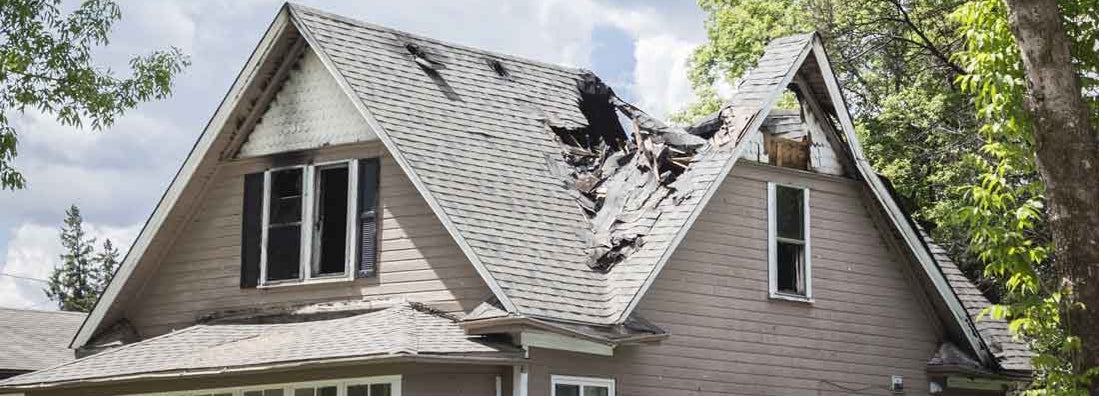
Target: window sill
313	281
791	297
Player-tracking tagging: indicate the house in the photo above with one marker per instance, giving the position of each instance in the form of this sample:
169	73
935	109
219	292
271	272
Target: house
371	212
35	340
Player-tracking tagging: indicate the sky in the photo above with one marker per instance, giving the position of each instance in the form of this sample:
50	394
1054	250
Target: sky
116	176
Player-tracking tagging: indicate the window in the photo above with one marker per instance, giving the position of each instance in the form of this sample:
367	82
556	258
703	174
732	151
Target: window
389	385
788	242
581	386
311	222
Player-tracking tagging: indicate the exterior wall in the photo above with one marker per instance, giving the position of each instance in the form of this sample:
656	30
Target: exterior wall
416	380
869	320
201	271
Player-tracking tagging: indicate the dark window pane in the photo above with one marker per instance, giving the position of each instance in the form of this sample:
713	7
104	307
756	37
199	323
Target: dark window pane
285	197
304	392
253	393
791	268
789	207
331	228
596	391
326	391
358	390
380	390
272	392
283	252
566	390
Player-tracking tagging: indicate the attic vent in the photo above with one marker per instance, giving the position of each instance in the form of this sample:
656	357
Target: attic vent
499	68
424	59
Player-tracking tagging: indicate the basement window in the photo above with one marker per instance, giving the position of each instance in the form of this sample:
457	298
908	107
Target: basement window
311	223
564	385
788	242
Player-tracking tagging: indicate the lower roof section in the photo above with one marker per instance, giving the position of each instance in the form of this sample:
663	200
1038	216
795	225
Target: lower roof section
403	331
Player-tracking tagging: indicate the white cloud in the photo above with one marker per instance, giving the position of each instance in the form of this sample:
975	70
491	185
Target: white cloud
34	251
661	74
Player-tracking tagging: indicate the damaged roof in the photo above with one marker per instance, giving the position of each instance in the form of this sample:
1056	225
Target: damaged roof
483	150
403	330
493	144
34	340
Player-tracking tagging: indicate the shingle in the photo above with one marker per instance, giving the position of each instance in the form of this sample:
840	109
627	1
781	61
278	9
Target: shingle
402	330
1010	354
34	340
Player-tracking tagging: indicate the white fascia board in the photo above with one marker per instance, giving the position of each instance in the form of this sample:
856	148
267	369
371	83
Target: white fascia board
539	339
497	291
168	201
738	151
894	212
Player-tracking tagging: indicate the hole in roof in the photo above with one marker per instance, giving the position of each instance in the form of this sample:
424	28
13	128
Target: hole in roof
423	58
499	68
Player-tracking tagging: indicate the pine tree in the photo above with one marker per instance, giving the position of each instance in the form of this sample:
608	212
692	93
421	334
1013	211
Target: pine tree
74	285
107	261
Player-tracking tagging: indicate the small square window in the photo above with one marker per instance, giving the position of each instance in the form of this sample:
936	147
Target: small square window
788	242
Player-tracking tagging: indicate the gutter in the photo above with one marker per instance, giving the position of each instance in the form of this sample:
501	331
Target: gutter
499	325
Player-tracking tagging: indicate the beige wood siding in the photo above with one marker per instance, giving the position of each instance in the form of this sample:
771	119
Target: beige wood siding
416	380
868	321
201	271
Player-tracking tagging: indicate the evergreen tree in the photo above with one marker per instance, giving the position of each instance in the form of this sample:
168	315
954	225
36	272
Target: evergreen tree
75	286
107	261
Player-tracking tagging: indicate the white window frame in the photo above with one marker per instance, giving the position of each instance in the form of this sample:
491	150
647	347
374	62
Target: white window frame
309	205
581	382
341	385
772	245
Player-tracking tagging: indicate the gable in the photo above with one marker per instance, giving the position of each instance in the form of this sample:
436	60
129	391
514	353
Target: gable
868	319
310	111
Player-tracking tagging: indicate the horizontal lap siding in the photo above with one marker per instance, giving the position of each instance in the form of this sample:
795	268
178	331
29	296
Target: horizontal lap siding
201	272
416	380
868	320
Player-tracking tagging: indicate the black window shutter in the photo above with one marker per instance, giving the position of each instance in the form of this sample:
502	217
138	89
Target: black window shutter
368	218
251	232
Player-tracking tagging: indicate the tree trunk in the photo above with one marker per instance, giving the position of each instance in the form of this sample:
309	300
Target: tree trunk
1068	159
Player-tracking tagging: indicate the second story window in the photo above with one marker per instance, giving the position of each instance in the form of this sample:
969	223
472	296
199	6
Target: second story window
788	242
310	223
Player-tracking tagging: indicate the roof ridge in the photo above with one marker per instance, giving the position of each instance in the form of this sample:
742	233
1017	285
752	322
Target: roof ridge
419	36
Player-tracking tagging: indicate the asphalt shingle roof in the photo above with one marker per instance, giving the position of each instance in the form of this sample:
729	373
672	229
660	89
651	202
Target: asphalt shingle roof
402	330
34	340
1011	354
481	145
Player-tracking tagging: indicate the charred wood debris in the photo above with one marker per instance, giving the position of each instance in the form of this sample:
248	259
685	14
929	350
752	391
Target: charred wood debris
619	177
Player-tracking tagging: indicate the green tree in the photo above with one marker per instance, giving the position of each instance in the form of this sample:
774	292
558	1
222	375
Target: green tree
1032	69
46	64
84	273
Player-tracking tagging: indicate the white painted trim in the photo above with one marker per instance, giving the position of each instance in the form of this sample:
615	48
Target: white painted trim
582	382
288	388
752	128
772	245
538	339
171	196
383	136
894	212
520	380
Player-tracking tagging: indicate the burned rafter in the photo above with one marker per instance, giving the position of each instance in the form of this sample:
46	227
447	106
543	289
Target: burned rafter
620	177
